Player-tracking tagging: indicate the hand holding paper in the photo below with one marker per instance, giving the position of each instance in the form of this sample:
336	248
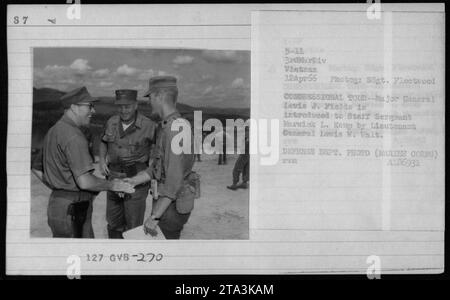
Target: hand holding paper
150	226
138	234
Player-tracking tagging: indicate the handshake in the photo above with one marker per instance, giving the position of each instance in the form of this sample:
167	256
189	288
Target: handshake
121	186
126	185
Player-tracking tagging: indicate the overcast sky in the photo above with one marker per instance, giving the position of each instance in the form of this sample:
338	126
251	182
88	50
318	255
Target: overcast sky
205	77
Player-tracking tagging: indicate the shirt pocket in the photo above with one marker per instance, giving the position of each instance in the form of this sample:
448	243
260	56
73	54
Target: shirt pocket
142	147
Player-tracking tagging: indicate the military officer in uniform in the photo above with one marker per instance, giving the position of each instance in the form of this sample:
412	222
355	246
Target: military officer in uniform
175	199
67	170
124	151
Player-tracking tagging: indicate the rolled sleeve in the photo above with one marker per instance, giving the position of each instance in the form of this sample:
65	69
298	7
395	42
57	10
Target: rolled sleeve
78	156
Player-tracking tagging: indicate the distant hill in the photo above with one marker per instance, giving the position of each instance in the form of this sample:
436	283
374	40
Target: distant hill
49	95
47	110
241	112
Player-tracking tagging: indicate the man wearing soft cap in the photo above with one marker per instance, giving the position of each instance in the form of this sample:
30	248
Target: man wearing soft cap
68	169
172	208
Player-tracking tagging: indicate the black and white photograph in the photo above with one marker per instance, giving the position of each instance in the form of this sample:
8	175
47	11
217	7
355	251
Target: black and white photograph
99	139
225	139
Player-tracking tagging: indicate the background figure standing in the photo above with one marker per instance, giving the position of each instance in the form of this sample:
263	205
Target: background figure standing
242	166
198	145
223	155
124	151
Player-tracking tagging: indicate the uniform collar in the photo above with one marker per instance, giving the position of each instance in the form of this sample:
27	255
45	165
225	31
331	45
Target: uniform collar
137	123
138	119
173	115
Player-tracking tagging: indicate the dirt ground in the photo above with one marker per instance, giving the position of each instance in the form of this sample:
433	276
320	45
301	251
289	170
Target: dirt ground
218	214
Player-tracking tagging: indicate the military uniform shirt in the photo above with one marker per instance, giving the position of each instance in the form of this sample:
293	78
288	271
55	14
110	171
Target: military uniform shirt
65	155
175	167
131	145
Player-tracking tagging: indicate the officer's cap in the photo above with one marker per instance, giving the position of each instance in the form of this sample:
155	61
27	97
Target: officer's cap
78	95
124	97
160	82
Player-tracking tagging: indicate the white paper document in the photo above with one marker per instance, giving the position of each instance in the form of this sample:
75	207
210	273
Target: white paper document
138	233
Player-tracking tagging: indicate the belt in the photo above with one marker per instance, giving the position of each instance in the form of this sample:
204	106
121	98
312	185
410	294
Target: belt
129	170
74	196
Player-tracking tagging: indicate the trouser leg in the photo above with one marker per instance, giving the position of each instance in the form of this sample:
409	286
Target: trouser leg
246	170
59	221
172	222
88	231
115	215
238	168
134	207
